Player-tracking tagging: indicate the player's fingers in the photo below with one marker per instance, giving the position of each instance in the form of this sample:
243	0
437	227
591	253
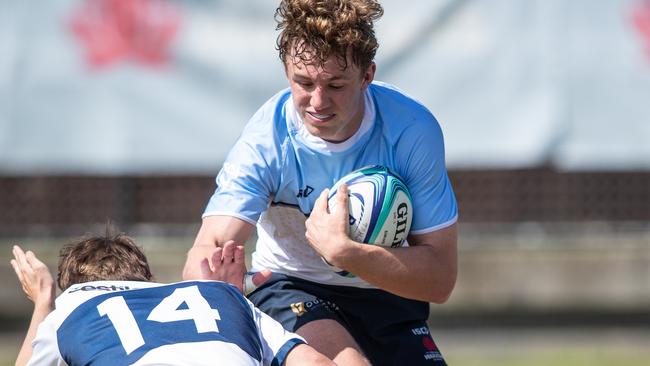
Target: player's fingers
206	272
21	260
228	254
33	261
16	267
216	257
239	254
342	198
321	202
19	255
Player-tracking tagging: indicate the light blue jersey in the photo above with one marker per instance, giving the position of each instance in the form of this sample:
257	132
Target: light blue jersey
142	323
276	170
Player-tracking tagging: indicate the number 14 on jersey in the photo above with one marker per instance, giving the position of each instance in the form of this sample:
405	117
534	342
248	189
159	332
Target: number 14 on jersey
168	310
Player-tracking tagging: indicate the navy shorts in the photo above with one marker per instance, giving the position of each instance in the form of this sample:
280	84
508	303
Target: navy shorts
391	330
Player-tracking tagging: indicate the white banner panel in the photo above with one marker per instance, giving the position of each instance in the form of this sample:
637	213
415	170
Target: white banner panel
156	86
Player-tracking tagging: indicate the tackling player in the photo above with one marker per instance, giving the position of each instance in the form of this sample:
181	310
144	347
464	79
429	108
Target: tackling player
111	314
334	118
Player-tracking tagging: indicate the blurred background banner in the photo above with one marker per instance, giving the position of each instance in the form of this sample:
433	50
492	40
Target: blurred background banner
123	111
152	86
130	87
528	83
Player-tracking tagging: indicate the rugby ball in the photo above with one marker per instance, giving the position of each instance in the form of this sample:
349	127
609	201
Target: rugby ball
380	207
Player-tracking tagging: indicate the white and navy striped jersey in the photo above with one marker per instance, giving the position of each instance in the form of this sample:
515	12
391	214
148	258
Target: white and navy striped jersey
142	323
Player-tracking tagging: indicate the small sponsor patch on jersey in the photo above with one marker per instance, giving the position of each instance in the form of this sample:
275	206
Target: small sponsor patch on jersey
99	288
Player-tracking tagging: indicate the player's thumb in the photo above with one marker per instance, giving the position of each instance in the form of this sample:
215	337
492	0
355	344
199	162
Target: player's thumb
206	271
253	280
262	276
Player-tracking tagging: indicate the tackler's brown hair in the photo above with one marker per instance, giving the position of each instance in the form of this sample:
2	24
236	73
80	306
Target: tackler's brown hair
113	256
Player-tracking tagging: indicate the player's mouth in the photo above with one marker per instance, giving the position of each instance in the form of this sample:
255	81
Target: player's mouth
320	117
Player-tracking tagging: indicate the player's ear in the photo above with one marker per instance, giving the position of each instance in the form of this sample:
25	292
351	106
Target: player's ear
369	75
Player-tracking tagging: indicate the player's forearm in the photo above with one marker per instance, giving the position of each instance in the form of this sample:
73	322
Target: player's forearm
303	354
418	272
216	230
207	236
39	314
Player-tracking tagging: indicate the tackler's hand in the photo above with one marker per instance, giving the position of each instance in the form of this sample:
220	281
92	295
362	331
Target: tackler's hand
35	278
228	265
196	256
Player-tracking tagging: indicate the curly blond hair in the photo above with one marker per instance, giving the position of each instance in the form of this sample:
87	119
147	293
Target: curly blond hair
314	30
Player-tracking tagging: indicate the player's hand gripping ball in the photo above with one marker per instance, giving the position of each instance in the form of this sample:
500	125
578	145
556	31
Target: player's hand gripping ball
380	208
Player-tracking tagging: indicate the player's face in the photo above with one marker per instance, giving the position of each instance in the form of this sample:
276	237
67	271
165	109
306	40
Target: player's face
330	99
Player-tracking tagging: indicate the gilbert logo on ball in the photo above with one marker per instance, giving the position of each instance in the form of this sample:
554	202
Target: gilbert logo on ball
380	207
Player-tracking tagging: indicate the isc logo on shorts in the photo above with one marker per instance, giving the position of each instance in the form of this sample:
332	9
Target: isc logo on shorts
420	331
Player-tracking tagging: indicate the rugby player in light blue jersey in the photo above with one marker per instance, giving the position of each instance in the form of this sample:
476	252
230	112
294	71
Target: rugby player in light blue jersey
111	314
334	118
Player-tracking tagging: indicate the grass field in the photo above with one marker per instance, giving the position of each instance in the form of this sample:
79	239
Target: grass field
526	347
533	347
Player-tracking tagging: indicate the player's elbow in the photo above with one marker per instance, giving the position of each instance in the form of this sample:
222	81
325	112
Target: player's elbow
440	293
440	297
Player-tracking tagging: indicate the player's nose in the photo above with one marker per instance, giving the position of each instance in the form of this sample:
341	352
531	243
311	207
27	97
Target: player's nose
319	98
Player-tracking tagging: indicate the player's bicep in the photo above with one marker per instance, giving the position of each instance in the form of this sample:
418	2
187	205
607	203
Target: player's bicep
444	239
436	260
442	249
425	175
442	244
246	181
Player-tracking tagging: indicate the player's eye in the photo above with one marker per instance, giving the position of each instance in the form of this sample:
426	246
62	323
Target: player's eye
305	84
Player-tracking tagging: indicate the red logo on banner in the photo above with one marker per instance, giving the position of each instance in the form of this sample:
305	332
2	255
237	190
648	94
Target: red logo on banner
641	20
116	30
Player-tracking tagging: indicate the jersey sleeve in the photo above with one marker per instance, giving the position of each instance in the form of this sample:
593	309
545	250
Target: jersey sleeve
434	202
276	341
249	175
45	351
